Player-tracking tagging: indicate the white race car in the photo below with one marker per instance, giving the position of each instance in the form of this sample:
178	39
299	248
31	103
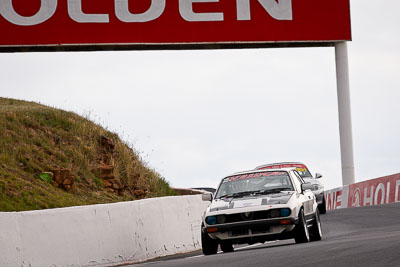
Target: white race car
317	186
258	206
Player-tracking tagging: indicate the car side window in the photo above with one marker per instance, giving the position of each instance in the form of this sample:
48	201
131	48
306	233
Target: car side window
299	177
297	181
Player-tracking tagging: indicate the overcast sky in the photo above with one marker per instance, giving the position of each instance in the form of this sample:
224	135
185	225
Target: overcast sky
196	116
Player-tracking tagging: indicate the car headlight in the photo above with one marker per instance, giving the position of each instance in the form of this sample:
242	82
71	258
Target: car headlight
275	213
211	220
285	212
221	219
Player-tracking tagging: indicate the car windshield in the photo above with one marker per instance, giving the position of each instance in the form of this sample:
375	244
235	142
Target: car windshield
300	168
254	183
304	172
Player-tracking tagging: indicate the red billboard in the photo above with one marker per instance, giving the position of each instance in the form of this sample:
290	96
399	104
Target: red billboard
375	192
378	191
79	24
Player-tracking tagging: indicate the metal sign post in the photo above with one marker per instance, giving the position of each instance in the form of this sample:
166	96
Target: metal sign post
345	125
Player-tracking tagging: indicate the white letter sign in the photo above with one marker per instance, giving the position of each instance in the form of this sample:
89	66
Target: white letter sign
122	11
186	10
281	10
47	10
76	13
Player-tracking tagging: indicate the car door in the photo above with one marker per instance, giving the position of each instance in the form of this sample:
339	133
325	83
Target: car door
305	197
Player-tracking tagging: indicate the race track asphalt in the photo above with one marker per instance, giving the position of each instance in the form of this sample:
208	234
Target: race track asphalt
364	236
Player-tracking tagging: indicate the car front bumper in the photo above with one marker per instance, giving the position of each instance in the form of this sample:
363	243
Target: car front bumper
251	229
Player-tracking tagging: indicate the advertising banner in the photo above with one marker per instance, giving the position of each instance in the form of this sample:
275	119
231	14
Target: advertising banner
378	191
78	24
375	192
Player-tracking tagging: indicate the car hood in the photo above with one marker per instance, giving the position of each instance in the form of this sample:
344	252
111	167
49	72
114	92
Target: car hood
250	201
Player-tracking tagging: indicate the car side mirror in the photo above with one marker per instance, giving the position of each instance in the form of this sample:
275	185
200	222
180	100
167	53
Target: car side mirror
306	186
206	197
318	176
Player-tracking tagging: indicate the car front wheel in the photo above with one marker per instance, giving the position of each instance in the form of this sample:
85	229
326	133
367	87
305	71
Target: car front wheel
208	245
301	231
316	230
322	206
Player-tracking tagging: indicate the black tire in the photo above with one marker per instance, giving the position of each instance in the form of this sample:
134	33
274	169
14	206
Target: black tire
226	246
322	206
208	245
301	234
316	230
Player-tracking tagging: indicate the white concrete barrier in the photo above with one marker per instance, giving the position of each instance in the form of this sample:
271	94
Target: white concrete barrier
101	235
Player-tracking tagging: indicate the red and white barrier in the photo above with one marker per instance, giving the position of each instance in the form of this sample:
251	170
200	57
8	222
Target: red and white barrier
378	191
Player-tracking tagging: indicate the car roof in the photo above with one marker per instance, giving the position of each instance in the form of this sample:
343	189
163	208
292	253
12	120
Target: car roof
256	171
279	163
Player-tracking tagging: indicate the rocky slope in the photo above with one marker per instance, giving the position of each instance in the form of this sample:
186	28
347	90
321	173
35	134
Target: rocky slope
52	158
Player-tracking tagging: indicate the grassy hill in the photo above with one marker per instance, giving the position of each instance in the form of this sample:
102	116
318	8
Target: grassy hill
51	158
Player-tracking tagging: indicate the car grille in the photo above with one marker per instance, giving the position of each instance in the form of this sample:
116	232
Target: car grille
250	216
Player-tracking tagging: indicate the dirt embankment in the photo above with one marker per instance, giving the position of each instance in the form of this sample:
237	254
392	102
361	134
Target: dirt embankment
52	158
